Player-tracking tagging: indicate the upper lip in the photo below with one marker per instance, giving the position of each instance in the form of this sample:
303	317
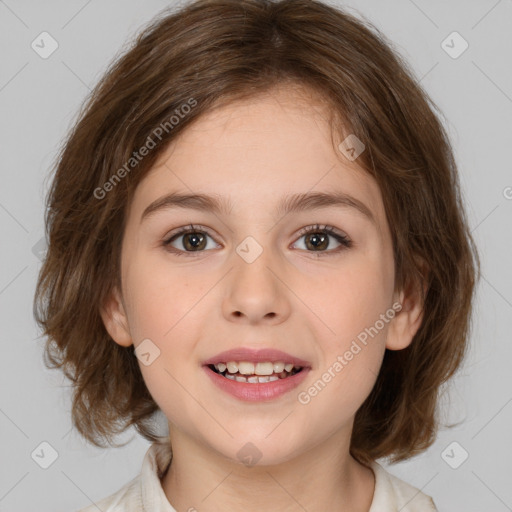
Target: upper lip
256	356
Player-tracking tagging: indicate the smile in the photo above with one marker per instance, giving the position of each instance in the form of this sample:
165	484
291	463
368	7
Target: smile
252	387
245	371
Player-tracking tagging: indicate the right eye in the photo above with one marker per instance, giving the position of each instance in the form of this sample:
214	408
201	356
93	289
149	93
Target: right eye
190	239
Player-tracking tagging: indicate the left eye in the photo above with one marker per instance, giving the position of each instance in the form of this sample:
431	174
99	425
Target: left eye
194	239
317	239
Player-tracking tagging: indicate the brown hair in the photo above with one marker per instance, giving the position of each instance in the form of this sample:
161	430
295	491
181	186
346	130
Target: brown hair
207	54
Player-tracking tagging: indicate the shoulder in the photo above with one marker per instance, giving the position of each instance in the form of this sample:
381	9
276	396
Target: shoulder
393	494
144	492
118	502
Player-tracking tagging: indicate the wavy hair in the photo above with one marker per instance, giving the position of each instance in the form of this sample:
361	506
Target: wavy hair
215	52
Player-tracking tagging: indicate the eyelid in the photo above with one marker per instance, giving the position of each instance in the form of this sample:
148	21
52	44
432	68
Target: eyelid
312	228
182	230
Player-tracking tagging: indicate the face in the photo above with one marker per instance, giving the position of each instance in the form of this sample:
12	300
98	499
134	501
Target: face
315	282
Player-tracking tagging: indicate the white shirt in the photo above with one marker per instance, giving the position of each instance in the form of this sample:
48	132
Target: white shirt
145	494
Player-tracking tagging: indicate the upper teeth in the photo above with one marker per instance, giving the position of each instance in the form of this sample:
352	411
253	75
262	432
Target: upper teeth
247	368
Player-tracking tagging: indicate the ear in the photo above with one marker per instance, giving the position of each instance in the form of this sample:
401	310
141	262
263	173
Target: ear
407	321
115	320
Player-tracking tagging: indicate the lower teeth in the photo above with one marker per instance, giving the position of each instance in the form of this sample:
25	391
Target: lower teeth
253	379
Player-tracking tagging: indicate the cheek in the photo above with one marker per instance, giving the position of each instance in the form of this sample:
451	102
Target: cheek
353	297
165	308
160	298
356	298
352	356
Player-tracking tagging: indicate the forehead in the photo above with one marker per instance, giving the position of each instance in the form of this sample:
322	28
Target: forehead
256	151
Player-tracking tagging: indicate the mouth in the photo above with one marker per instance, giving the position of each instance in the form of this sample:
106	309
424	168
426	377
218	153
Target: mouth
260	381
255	373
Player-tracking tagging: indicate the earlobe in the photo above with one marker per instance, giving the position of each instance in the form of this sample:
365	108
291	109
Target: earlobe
115	320
408	320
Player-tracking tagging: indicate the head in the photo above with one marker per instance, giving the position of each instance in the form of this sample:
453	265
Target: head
273	118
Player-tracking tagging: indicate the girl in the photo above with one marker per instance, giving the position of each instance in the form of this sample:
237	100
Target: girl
256	229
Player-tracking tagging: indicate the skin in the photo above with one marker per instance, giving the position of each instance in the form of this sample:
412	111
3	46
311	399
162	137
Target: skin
193	306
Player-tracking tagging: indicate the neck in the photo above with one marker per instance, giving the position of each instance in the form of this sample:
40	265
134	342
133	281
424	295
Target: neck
326	477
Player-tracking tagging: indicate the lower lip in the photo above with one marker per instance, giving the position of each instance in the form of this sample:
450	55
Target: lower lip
259	391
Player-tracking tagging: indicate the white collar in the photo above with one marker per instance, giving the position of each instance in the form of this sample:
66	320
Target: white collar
391	494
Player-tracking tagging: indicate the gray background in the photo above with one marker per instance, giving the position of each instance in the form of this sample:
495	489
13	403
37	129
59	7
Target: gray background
39	99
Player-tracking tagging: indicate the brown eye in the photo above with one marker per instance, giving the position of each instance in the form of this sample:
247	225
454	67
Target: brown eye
194	241
318	240
189	240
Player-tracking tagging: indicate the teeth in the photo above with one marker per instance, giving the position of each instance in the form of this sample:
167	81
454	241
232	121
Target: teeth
264	369
245	368
232	367
278	367
245	371
248	368
254	379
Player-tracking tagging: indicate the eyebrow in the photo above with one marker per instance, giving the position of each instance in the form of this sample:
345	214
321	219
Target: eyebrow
290	204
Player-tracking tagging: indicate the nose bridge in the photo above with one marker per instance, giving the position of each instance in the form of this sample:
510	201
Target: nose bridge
254	292
252	263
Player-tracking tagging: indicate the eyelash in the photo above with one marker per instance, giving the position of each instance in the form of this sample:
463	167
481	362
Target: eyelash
345	242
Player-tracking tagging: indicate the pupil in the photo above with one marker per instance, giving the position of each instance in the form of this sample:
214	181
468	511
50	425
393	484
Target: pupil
196	239
318	240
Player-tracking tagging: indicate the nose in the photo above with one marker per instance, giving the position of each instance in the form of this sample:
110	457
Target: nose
256	292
